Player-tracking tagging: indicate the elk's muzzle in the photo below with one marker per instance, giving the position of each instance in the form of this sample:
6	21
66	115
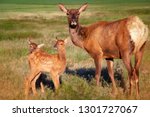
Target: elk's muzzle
73	24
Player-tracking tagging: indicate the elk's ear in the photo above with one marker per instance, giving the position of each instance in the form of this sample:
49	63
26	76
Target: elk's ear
56	40
62	8
65	41
83	7
29	41
40	45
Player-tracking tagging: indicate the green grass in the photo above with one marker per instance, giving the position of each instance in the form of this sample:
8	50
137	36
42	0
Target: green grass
71	1
43	21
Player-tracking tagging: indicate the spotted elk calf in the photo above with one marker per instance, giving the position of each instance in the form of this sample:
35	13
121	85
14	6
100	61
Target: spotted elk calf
41	61
110	40
32	47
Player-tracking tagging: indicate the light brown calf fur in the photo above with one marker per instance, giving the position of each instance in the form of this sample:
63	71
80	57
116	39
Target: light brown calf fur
41	61
110	40
32	47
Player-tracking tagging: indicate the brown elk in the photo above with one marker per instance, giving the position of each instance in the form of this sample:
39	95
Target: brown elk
41	61
110	40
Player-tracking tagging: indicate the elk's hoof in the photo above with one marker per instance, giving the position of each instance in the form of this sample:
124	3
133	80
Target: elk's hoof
114	93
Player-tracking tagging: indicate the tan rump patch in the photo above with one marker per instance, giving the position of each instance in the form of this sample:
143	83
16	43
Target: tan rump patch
138	32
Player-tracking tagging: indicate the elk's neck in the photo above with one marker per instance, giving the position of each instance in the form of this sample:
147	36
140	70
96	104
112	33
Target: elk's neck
77	36
62	54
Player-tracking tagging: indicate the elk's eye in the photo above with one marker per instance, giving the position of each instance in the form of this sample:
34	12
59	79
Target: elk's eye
67	13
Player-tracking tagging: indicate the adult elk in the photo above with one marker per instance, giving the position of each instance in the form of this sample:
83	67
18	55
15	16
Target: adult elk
41	61
110	40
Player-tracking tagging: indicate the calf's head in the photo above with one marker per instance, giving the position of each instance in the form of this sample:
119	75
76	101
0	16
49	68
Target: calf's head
33	46
60	44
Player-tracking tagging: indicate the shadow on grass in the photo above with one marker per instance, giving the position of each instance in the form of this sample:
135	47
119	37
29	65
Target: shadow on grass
46	81
89	73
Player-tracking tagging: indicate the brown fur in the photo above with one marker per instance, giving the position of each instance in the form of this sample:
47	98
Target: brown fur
32	47
41	61
109	40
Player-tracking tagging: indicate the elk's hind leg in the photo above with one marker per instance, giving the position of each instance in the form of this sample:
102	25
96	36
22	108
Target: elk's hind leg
33	84
127	62
138	59
28	81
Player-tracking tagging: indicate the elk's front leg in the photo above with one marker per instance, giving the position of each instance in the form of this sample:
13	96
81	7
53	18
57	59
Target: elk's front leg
110	67
42	87
98	66
55	78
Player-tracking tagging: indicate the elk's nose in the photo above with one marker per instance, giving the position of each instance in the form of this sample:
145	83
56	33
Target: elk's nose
73	23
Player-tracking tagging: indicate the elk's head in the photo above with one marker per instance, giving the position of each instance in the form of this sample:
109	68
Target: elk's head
59	44
73	14
33	46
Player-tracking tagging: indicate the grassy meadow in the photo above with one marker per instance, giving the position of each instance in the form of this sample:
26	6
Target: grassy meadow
43	21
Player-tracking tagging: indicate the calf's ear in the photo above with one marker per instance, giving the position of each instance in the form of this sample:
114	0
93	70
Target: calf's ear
65	41
29	41
40	45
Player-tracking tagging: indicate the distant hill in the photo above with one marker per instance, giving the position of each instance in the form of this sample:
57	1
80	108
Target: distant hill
69	1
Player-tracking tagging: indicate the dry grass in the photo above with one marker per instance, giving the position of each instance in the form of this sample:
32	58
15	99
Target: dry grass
44	26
